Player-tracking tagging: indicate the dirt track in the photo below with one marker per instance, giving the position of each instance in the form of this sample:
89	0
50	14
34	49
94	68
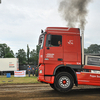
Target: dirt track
45	92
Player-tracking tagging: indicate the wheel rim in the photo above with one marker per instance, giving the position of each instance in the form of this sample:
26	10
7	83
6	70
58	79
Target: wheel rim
64	82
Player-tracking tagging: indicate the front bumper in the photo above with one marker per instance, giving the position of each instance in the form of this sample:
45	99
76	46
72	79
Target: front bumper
46	79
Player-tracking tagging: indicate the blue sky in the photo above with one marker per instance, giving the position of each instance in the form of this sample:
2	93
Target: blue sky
21	22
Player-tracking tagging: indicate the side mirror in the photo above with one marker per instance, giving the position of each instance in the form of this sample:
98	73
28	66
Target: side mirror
42	31
40	40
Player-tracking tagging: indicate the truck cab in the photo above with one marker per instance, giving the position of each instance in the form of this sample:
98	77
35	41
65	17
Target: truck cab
60	57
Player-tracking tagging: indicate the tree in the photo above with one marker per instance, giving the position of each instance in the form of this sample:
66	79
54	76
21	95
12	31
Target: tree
28	52
21	55
93	48
9	55
5	51
37	53
32	56
85	50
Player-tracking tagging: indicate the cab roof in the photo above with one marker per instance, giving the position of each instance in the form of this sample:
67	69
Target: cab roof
65	30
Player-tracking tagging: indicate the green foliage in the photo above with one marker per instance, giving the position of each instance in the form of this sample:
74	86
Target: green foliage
5	51
93	48
9	55
21	55
85	50
37	53
32	56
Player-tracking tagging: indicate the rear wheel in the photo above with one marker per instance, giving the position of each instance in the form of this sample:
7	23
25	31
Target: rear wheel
63	82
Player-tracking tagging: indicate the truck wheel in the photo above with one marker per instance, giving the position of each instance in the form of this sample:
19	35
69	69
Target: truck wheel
63	82
52	86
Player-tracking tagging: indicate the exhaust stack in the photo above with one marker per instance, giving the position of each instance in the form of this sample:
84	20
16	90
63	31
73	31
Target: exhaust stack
82	43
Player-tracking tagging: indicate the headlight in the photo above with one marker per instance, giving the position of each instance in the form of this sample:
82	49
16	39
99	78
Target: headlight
40	71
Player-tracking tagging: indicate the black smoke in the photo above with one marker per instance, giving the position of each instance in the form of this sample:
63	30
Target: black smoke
74	12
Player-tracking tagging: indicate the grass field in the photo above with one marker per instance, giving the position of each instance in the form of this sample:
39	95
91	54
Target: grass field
18	80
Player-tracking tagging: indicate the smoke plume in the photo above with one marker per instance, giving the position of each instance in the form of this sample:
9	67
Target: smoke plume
74	12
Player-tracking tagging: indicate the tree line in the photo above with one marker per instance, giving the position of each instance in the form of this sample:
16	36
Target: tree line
93	49
29	57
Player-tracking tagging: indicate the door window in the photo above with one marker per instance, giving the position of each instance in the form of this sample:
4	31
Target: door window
56	40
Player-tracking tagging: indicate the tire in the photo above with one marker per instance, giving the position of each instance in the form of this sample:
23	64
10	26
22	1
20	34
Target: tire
63	82
52	86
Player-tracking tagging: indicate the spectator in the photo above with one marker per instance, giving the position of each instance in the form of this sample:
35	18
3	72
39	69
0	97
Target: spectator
29	70
36	71
33	71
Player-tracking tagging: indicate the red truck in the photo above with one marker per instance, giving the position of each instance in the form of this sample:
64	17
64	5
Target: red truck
62	62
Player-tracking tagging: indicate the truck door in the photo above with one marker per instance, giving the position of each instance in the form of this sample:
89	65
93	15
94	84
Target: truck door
53	55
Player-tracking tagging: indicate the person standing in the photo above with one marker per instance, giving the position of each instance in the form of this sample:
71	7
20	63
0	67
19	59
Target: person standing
36	71
33	71
29	70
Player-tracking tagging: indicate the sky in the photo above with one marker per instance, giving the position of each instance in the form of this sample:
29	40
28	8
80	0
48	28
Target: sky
21	22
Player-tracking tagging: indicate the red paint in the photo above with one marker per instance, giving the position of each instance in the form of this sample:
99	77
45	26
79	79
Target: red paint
41	56
64	82
91	67
69	53
88	78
